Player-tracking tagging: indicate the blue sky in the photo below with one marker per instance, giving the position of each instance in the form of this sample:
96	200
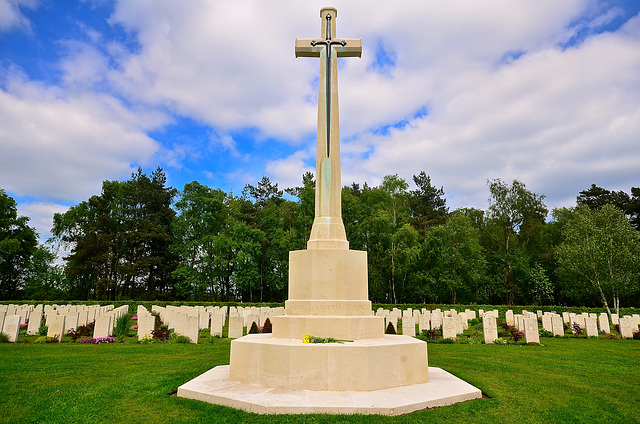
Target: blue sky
546	92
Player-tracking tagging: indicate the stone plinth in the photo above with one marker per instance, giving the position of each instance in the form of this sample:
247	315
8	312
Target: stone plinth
362	365
215	386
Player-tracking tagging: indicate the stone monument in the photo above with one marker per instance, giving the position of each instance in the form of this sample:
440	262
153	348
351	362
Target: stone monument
328	297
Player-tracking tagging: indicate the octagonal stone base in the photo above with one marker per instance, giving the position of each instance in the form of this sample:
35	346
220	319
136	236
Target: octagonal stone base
367	364
214	386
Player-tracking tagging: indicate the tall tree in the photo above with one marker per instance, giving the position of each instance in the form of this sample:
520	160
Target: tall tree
602	249
18	243
514	221
427	204
596	197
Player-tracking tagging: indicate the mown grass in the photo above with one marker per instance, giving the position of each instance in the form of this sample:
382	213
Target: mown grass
564	381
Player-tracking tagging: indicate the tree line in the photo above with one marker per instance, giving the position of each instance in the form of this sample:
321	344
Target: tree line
142	240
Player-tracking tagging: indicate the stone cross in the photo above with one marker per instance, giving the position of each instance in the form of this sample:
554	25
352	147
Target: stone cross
328	229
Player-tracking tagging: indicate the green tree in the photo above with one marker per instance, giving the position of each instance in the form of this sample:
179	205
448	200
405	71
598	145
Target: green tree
18	244
514	223
602	249
456	258
427	204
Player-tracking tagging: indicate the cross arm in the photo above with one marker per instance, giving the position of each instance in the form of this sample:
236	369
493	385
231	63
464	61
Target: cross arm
352	47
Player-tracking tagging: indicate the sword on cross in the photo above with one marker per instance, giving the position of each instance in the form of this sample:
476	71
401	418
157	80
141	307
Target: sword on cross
342	48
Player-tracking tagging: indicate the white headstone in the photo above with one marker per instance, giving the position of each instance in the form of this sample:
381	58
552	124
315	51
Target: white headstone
546	322
509	318
146	324
592	326
103	326
449	327
188	325
531	334
11	327
56	327
490	328
235	327
408	326
603	323
217	323
35	320
557	325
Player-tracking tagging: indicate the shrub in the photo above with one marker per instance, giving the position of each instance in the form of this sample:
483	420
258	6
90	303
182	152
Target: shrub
575	329
617	328
516	335
636	335
46	339
448	341
254	328
121	329
611	336
390	329
501	341
267	327
432	334
42	331
545	333
474	321
183	339
161	333
4	337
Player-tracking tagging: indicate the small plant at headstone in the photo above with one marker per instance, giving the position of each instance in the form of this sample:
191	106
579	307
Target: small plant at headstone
23	329
183	339
617	328
611	336
448	341
516	335
121	329
575	329
545	333
474	321
390	329
501	341
161	333
267	327
636	335
42	331
432	334
98	340
46	339
254	328
4	338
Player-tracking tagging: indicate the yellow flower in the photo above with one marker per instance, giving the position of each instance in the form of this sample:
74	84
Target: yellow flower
306	338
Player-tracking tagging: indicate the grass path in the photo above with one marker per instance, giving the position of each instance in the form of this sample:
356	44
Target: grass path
565	381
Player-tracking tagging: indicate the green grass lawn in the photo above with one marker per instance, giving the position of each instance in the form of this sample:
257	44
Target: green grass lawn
564	381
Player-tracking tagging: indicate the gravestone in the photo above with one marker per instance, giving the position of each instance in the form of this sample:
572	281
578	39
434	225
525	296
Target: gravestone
509	318
103	327
489	328
235	327
423	322
71	321
603	322
592	326
557	325
614	319
56	327
35	320
626	329
146	325
546	322
188	325
531	332
217	324
3	313
449	327
436	319
11	327
408	326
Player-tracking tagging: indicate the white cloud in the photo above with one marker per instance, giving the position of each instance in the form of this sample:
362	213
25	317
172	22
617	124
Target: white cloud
41	215
11	15
56	146
288	171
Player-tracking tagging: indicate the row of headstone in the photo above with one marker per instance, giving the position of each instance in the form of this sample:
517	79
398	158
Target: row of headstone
189	320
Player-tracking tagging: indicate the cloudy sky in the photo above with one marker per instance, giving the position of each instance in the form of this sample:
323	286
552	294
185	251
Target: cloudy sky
545	91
